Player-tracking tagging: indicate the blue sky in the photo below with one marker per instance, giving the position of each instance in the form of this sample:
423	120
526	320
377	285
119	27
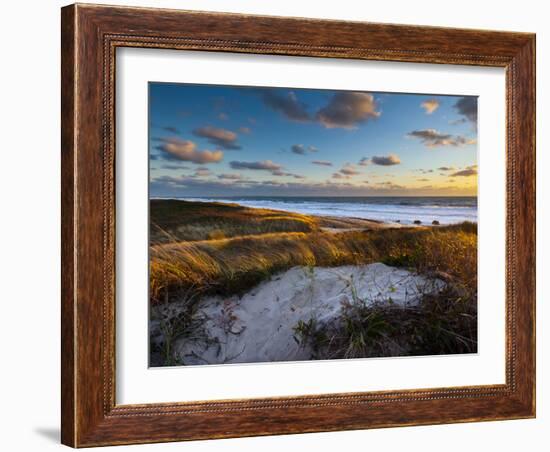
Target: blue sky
210	140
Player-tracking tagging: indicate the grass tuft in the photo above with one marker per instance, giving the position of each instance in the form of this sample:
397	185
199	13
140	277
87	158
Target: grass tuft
442	323
234	265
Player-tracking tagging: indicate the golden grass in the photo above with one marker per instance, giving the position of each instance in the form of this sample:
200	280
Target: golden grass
233	265
173	220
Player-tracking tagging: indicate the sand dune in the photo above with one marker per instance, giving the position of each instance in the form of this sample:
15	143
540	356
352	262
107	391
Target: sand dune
259	326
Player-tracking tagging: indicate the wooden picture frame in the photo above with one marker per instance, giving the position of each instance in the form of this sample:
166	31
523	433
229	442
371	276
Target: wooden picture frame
90	36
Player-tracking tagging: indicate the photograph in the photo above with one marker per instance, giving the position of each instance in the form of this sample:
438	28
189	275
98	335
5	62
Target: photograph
279	222
294	224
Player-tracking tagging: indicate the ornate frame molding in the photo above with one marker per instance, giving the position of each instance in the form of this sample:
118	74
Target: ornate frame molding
90	37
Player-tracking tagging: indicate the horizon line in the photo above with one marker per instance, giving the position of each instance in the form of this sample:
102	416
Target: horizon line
316	196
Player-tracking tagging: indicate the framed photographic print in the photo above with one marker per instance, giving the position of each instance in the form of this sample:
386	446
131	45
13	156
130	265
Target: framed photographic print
279	225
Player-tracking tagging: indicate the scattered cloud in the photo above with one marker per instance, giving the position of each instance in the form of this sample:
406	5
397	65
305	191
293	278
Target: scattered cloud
349	170
322	162
288	105
186	150
300	149
432	138
430	105
348	109
172	186
387	160
284	173
264	165
225	176
345	110
219	137
202	172
337	110
346	172
391	185
467	107
465	172
174	167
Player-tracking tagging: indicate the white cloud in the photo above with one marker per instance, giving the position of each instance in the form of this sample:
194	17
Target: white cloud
186	150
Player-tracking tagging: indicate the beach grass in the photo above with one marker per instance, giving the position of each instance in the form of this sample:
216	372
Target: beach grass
175	221
442	323
214	248
195	221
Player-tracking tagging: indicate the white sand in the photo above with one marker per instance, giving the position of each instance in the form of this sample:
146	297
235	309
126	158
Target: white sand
258	326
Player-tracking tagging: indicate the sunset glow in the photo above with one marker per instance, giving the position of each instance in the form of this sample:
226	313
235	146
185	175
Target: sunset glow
244	141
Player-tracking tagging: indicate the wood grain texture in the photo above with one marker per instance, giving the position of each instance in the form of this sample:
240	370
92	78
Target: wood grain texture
67	226
90	36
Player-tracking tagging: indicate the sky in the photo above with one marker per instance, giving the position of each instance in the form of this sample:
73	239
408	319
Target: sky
222	141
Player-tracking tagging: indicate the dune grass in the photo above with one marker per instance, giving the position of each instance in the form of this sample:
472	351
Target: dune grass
233	265
176	221
441	323
173	220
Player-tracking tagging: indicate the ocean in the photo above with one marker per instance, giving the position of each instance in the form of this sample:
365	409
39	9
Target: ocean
405	209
